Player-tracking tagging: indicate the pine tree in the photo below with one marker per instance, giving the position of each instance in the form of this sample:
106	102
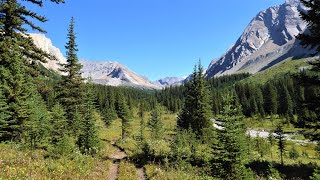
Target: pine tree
196	110
270	99
281	141
5	118
15	85
286	104
233	155
311	38
142	124
37	127
311	79
59	123
15	18
155	124
71	86
272	141
123	114
88	140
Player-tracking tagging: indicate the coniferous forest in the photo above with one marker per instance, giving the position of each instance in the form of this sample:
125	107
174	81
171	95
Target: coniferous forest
64	126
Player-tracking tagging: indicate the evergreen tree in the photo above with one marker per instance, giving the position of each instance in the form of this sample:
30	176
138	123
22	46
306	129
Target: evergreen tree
270	99
59	123
71	86
142	124
88	140
15	85
5	118
123	114
196	110
286	104
281	141
311	79
311	38
15	18
233	155
37	127
155	124
272	142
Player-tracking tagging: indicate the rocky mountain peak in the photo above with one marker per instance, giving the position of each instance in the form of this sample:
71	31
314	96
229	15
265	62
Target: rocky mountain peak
269	35
114	74
44	43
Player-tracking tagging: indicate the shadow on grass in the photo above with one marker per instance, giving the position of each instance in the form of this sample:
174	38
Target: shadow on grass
293	171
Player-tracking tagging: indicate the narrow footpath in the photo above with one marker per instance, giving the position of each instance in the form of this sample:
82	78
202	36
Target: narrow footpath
118	156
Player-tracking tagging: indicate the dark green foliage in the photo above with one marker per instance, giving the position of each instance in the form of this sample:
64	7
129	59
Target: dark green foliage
123	113
293	153
37	128
88	140
262	146
196	111
14	18
185	141
142	124
71	86
281	141
272	142
155	124
15	85
59	124
5	118
311	38
270	99
233	155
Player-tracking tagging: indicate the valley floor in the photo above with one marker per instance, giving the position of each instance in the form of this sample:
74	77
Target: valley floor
117	159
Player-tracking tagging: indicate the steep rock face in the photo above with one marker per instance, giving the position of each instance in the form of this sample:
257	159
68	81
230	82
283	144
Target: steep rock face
267	40
108	73
114	74
44	43
170	81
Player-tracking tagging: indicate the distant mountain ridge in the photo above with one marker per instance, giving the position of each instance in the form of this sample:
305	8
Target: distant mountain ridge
267	40
107	73
114	74
170	81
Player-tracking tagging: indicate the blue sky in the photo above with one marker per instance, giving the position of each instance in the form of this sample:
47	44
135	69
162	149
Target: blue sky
155	38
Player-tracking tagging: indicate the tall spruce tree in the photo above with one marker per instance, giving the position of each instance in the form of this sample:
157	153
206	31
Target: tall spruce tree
196	111
311	38
71	87
88	141
281	141
59	123
270	99
155	124
123	113
5	118
311	79
233	155
14	18
16	87
17	52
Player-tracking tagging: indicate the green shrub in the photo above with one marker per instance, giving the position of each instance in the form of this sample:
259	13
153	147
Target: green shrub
293	153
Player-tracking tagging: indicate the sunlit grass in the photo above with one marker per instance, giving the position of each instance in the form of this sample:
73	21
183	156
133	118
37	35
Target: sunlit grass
16	163
127	171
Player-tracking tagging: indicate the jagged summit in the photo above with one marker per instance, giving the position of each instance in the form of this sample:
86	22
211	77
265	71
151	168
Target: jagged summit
268	39
114	74
170	81
108	73
41	41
